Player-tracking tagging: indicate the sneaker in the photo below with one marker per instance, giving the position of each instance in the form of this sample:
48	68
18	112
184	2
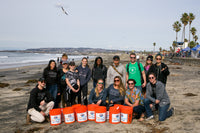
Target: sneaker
28	119
173	110
149	118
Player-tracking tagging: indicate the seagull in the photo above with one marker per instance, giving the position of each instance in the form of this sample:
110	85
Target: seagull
64	10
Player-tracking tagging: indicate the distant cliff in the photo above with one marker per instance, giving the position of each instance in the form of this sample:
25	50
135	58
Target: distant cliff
70	50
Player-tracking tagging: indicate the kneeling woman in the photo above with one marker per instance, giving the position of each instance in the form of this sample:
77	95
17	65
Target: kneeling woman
98	95
134	99
116	92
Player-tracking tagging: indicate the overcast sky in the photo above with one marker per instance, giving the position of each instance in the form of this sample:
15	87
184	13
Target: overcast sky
110	24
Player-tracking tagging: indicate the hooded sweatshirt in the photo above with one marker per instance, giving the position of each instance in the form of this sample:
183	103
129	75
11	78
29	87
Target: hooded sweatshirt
84	74
36	96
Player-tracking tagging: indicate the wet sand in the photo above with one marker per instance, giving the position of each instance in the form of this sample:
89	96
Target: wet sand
182	87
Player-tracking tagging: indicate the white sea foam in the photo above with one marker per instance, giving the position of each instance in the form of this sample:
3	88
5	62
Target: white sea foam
17	59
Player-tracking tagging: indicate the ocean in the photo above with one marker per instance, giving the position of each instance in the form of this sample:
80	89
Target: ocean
18	59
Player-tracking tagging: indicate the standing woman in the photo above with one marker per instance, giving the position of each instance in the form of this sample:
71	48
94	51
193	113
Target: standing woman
99	71
116	92
149	63
73	85
98	94
50	76
160	69
84	77
62	83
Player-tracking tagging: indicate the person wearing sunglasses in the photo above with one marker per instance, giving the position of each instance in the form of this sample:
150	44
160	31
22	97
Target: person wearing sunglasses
135	70
160	69
98	94
116	92
134	99
156	94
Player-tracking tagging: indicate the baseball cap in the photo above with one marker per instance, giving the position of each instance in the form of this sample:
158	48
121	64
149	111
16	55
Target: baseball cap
116	57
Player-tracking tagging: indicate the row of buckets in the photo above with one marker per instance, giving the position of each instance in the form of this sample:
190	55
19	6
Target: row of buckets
99	114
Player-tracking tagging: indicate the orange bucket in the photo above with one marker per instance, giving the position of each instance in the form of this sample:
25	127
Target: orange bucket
100	114
114	115
75	106
69	116
126	114
91	111
118	105
55	116
81	113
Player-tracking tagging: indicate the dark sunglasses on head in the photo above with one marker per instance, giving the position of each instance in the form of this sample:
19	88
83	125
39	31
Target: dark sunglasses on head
117	80
100	83
158	59
132	57
151	77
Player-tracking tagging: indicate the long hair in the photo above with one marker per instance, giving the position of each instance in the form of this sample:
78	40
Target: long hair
121	86
96	89
148	64
48	67
95	62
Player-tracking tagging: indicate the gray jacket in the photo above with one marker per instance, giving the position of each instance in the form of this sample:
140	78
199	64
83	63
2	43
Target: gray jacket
111	73
160	93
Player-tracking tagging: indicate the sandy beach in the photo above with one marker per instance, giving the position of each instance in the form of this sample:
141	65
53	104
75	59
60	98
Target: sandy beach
182	87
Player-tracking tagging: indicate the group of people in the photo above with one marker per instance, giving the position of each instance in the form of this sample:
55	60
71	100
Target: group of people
142	88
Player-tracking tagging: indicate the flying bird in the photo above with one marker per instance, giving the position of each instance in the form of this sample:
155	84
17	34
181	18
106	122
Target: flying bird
64	10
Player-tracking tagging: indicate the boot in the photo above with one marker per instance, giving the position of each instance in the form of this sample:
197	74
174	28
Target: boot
28	119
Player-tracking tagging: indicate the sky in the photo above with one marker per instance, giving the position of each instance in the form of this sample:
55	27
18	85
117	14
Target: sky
109	24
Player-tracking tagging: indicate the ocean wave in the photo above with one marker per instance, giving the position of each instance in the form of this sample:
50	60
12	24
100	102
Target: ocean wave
3	57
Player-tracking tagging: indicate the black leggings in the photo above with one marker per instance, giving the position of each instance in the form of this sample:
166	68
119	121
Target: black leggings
84	90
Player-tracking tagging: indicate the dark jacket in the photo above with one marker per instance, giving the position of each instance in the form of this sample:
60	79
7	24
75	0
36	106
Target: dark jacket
114	95
61	80
50	77
84	74
36	96
99	73
160	75
94	99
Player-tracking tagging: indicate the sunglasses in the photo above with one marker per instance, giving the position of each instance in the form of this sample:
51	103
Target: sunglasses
151	77
100	83
130	83
158	59
132	57
117	80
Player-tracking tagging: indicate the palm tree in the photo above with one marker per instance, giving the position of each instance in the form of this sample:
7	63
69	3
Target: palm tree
171	49
176	28
174	45
193	31
154	44
191	17
195	38
160	49
184	19
192	44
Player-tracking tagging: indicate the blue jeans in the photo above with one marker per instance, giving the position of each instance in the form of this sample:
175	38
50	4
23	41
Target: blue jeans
53	90
163	111
139	88
139	110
